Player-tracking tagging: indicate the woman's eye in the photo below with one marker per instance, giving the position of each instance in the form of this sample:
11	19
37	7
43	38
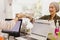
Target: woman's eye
51	7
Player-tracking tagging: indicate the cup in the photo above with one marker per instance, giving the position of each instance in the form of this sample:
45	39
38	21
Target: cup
11	38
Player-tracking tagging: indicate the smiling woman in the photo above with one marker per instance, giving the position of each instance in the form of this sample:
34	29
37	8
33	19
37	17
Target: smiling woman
53	9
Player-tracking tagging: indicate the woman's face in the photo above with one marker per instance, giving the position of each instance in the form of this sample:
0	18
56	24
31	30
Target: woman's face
52	9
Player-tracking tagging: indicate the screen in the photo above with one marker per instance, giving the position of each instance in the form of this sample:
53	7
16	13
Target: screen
16	27
41	29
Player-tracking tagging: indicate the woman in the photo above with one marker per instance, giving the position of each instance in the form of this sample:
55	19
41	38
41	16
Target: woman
53	9
26	23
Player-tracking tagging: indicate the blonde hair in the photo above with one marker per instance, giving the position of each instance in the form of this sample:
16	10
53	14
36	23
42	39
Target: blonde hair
21	15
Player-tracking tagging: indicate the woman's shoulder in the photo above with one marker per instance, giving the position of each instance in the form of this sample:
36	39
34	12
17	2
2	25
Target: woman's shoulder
58	17
45	17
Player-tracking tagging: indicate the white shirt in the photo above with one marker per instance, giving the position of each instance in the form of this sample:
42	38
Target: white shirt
26	22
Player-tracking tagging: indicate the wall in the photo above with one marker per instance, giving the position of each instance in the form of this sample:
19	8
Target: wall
8	8
2	9
5	9
21	5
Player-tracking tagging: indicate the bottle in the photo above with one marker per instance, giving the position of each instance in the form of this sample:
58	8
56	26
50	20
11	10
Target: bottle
57	24
57	28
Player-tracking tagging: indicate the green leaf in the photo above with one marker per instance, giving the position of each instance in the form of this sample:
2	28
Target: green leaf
59	34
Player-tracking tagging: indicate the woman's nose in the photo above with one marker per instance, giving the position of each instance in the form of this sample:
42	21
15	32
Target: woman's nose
50	9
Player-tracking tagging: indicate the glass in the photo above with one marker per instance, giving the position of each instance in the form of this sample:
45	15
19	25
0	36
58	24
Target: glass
5	35
11	38
1	38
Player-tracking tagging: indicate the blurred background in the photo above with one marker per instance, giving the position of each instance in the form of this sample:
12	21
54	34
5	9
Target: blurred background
37	8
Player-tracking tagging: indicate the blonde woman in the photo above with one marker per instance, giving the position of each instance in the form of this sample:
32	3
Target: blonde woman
26	23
